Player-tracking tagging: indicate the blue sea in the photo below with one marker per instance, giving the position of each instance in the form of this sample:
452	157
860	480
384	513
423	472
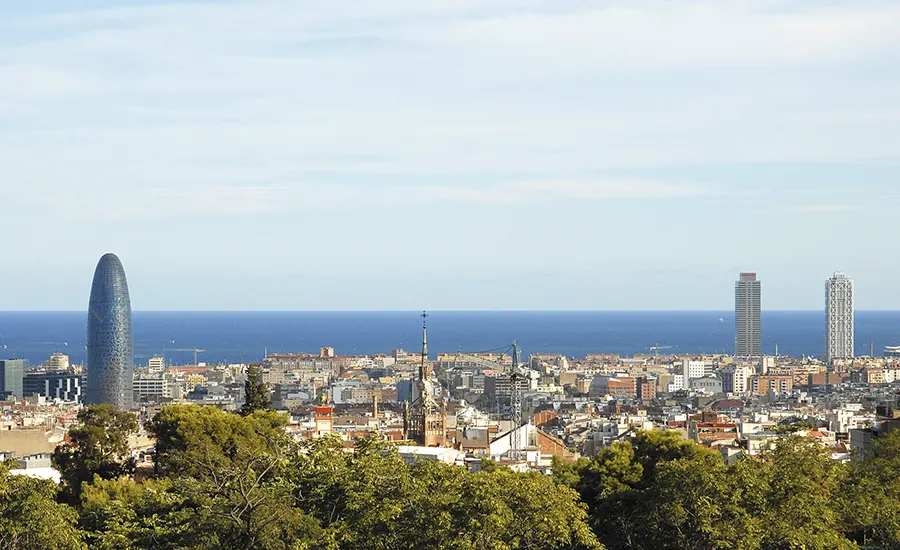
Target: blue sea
232	336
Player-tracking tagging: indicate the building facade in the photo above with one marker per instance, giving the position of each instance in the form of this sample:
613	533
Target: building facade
58	361
736	379
761	385
747	307
12	374
839	336
692	369
62	384
110	355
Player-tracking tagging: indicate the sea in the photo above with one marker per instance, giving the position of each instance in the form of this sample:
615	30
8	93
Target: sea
235	336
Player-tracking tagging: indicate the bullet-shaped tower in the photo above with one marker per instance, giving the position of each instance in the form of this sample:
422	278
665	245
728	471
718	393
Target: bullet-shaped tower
110	353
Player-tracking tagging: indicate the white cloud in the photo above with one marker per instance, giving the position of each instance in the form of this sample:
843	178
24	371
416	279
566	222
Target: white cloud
685	34
265	96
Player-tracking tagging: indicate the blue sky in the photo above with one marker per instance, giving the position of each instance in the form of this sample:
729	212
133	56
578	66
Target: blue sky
449	154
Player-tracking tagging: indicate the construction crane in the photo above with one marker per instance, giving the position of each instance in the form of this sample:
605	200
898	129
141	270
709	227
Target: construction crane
516	447
516	375
196	351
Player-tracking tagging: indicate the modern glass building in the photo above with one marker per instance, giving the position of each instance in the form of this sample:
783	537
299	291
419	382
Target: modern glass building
110	355
63	384
12	373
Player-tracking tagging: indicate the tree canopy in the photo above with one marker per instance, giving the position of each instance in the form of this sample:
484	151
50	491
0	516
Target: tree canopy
227	481
98	445
256	395
31	518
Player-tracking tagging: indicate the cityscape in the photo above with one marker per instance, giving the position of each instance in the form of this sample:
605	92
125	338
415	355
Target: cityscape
449	275
526	413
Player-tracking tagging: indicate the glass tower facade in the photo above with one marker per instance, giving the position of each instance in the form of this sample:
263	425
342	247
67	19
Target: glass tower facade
110	355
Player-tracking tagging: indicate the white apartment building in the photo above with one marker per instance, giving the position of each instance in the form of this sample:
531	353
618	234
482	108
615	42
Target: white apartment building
691	369
736	379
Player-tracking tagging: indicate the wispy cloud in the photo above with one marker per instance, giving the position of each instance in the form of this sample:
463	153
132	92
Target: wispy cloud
820	208
235	200
553	190
665	34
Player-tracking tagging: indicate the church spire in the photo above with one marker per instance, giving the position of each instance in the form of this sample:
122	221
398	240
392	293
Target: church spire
422	373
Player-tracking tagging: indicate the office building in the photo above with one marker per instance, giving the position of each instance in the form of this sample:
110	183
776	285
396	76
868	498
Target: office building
110	356
65	384
747	333
12	373
838	317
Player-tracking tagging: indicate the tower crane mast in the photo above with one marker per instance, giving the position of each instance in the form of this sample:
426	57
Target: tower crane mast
516	376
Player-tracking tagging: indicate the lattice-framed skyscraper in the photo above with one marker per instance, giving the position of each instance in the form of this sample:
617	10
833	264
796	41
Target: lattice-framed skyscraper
424	419
839	335
110	345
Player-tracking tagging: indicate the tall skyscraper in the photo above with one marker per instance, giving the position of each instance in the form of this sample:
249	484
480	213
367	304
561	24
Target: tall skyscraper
838	317
747	333
110	356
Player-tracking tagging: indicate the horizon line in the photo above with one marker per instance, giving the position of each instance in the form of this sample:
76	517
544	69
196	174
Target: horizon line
372	310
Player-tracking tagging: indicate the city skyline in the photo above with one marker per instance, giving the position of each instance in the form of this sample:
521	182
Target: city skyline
449	155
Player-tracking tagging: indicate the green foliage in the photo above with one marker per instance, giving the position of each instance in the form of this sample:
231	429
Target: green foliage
370	500
227	481
566	473
256	395
233	471
870	500
31	518
123	514
661	491
794	427
801	504
97	446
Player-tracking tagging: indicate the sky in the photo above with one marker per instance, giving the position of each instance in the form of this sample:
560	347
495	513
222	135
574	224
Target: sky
449	154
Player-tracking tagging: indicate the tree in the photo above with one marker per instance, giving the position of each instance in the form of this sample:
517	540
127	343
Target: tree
801	507
661	491
31	518
567	473
696	503
870	495
371	499
153	515
98	445
256	395
233	471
